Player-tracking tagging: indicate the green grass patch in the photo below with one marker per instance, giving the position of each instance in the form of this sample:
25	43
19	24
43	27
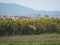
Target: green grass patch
31	43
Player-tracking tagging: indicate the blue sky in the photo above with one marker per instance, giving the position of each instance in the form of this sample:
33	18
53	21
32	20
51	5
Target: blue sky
47	5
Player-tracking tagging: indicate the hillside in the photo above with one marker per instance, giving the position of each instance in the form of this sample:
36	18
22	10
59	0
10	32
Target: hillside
19	10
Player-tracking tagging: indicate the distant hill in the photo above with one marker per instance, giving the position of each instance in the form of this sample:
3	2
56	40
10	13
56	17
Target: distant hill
19	10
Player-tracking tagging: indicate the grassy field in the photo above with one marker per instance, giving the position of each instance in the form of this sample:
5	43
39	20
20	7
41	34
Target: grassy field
31	38
42	39
37	43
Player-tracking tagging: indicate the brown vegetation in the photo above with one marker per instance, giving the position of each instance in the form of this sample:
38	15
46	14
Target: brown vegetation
31	38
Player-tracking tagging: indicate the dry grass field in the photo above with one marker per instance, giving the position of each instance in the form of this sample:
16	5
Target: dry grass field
31	38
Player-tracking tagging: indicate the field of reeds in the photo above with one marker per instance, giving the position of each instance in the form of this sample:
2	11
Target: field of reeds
29	26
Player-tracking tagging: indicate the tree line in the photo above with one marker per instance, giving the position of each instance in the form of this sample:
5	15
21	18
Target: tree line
29	26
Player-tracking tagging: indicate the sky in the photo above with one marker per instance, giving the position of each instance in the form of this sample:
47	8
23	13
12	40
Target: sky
47	5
